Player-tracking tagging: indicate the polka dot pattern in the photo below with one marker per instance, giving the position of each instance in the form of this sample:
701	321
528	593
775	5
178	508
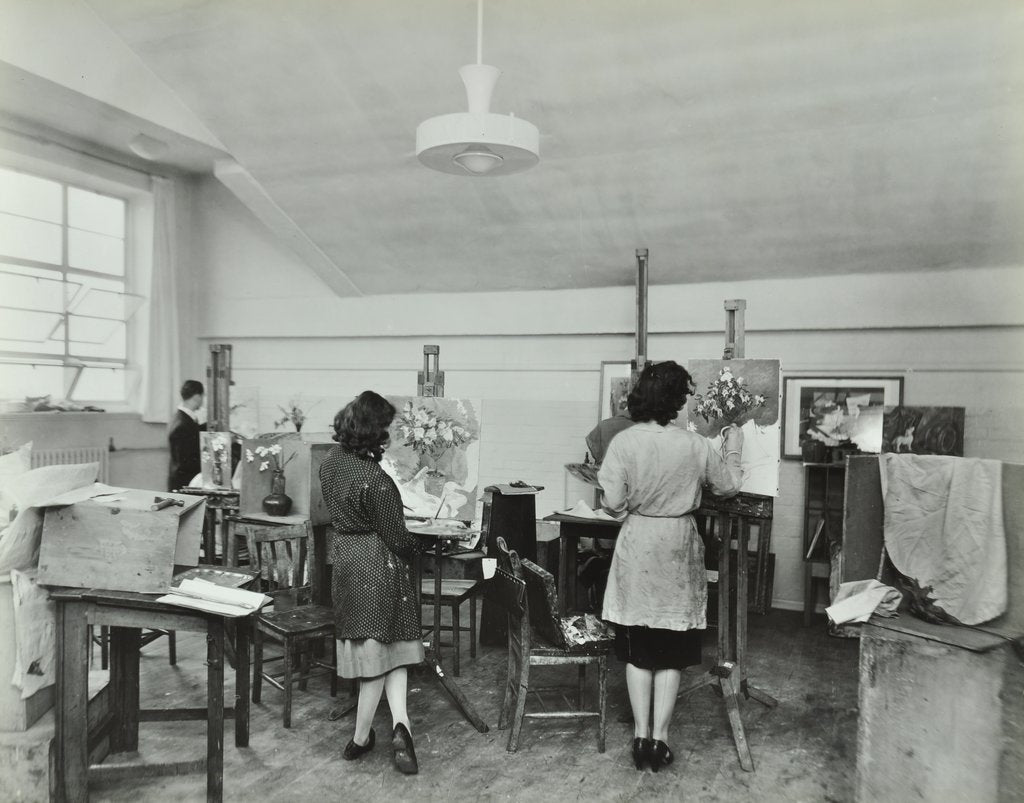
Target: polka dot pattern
371	550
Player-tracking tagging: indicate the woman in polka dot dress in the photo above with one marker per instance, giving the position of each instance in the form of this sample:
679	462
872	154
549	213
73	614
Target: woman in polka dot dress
377	618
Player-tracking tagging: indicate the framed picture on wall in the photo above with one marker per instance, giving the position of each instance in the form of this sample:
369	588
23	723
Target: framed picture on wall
614	388
836	411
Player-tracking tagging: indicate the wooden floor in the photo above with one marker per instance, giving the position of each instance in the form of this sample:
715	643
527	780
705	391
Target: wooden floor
804	750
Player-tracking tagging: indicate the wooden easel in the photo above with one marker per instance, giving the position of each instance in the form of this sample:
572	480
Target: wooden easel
218	388
728	518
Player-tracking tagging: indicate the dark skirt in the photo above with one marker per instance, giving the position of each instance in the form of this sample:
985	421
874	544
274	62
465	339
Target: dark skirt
654	648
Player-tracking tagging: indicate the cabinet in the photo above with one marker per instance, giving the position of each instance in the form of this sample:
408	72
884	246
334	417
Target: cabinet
823	523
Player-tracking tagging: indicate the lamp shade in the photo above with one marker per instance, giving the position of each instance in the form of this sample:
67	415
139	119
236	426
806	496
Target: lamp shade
478	143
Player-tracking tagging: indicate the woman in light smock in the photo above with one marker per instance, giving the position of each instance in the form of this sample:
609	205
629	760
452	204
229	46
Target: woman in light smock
657	588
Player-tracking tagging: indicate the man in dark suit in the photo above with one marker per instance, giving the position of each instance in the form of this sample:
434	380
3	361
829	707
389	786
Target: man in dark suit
183	436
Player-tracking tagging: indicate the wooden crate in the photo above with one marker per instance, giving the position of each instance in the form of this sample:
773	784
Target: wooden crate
117	543
938	722
302	474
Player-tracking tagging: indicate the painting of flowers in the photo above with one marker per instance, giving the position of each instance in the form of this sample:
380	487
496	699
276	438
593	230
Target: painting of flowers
434	455
215	459
743	393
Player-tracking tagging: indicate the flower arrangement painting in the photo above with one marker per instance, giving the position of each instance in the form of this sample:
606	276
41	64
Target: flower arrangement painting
215	459
434	455
743	393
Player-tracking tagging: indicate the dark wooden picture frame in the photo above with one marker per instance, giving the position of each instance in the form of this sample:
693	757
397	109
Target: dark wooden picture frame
820	405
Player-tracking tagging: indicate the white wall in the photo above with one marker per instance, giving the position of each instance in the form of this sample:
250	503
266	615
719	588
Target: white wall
534	358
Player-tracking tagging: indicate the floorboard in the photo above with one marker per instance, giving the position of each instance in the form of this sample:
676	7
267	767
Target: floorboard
804	750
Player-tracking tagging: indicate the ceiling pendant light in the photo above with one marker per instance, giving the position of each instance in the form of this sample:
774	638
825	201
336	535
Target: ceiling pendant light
478	143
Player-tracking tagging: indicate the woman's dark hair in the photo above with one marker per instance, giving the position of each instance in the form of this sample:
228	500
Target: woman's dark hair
660	392
361	426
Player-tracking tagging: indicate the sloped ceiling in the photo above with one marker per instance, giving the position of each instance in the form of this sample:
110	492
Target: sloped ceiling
733	139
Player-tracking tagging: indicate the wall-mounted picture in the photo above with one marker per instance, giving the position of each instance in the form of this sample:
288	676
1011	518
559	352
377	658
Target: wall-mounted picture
924	430
615	378
836	411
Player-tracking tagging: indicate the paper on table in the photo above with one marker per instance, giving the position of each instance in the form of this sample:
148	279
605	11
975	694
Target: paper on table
582	510
857	601
206	596
81	494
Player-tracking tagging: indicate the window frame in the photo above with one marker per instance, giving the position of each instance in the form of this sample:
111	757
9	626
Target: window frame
72	169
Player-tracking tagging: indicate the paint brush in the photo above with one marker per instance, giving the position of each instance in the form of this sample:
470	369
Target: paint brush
443	496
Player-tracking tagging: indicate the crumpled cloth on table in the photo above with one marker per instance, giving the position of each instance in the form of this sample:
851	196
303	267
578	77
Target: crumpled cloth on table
944	529
857	601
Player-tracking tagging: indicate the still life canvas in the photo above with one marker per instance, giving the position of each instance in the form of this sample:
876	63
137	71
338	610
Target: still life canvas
745	393
434	455
245	411
215	459
923	430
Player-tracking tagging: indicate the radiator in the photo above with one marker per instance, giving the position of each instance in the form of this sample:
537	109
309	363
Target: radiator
81	454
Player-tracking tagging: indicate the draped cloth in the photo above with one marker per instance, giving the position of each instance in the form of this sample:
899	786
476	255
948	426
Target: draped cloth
944	529
159	338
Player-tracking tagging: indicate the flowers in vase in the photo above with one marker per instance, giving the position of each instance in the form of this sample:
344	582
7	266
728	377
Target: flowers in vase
727	398
292	413
269	457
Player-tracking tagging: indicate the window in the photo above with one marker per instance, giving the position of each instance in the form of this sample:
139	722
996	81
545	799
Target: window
65	305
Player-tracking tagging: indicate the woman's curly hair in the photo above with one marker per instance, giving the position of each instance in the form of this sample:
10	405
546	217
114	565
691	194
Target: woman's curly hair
659	393
361	426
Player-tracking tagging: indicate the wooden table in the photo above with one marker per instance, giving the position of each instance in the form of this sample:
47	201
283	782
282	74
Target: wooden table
571	530
127	613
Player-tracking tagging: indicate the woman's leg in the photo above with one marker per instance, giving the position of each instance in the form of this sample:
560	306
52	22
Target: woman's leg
638	683
666	687
366	707
395	684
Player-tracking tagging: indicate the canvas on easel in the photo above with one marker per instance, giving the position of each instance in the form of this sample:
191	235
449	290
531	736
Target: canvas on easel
434	455
719	382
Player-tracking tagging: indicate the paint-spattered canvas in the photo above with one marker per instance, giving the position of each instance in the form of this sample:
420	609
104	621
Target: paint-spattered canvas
923	430
434	455
757	383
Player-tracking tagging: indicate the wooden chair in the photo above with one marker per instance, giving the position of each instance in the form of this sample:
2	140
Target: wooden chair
148	637
535	638
453	594
281	555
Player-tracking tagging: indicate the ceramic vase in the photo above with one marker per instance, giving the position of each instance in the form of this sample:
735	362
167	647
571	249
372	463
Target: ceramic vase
277	502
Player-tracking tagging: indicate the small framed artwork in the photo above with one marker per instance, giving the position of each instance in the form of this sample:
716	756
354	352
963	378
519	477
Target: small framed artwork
615	378
836	411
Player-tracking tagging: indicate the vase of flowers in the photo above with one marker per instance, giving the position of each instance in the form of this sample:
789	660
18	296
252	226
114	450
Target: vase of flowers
293	414
277	502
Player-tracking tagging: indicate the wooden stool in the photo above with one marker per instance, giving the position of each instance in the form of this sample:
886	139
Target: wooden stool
453	594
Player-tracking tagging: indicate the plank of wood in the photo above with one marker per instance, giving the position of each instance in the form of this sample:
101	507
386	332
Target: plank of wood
863	514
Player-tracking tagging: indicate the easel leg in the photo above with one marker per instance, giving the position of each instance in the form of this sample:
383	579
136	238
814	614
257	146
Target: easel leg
730	693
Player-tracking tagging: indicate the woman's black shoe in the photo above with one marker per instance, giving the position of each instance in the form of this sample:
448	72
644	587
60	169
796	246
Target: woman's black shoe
661	755
405	753
641	752
354	751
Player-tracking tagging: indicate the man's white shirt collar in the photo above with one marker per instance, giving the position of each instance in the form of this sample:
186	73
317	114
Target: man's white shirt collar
190	413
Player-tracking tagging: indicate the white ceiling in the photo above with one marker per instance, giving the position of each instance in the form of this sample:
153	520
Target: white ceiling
733	139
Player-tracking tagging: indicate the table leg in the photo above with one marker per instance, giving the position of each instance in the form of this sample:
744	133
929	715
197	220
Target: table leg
214	710
71	719
742	539
243	630
725	647
124	688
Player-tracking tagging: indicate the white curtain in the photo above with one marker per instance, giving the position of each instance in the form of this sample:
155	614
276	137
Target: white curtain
161	355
